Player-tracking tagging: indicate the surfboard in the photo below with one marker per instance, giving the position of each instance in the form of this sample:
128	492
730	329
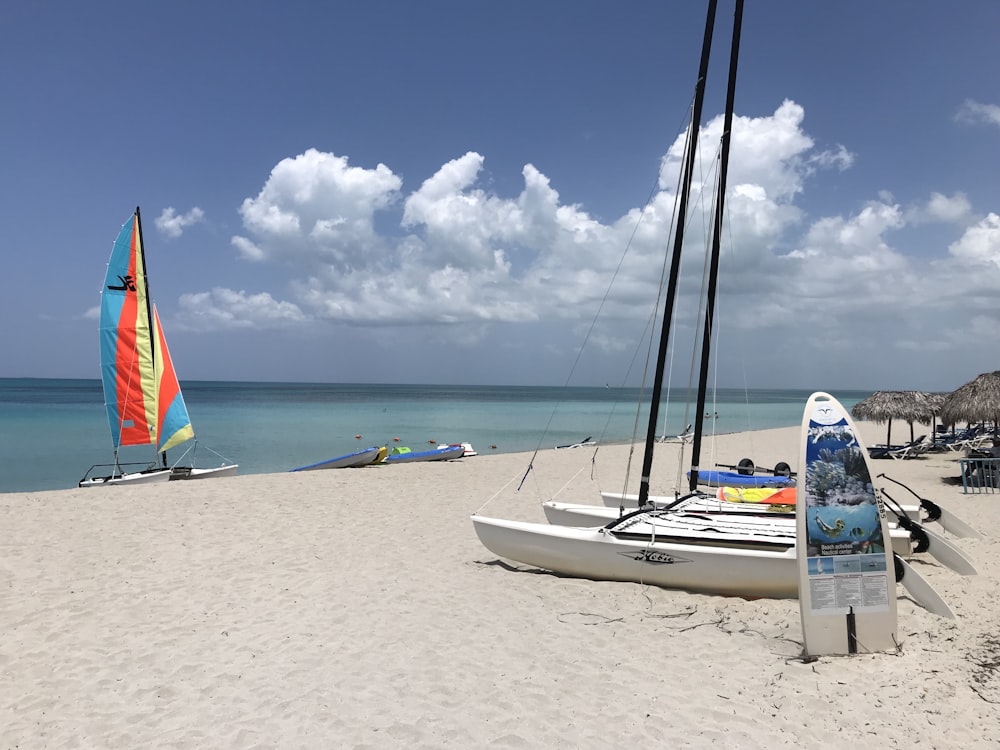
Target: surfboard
847	582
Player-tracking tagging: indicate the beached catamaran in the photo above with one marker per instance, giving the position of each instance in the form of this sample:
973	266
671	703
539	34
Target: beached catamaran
141	392
697	542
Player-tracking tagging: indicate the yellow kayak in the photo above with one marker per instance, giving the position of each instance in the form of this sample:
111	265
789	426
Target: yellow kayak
765	495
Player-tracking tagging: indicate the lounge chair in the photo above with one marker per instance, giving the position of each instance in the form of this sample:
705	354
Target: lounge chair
684	437
910	450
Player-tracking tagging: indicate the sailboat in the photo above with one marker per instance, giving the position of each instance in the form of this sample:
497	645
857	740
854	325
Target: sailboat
694	543
142	395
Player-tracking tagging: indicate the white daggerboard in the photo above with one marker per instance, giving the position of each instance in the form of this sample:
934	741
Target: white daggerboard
847	583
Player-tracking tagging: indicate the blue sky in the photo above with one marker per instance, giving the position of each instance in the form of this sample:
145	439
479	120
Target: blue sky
440	192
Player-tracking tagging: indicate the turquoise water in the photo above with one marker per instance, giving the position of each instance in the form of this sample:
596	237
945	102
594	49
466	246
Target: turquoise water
52	431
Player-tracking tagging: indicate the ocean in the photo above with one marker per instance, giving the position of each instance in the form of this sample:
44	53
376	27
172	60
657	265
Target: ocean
54	430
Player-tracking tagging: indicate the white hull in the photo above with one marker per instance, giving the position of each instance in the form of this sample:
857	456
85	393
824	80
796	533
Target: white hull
137	477
568	514
598	554
219	471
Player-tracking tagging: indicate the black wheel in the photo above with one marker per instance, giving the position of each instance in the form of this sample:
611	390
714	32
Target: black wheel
745	466
782	469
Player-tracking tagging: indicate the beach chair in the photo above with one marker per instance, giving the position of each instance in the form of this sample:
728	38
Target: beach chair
910	450
969	438
684	437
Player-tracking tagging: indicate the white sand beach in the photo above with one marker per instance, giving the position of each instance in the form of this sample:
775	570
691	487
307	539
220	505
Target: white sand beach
357	608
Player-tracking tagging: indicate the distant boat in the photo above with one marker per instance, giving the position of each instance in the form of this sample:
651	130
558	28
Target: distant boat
469	450
351	460
402	455
141	392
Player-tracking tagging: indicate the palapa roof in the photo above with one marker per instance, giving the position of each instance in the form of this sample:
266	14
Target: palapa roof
976	401
882	406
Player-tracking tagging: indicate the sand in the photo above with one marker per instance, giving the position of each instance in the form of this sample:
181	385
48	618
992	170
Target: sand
356	608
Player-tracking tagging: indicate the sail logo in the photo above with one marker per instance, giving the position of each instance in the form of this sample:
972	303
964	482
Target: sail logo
653	556
128	284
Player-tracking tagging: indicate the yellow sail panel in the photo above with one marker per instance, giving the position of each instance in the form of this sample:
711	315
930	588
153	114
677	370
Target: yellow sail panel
126	345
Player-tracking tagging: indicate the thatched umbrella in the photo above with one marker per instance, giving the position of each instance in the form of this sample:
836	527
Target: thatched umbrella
935	401
976	401
882	406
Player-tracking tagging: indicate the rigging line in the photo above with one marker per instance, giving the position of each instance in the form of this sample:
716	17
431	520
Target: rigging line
567	484
717	224
714	332
742	341
699	328
675	224
697	206
621	261
494	496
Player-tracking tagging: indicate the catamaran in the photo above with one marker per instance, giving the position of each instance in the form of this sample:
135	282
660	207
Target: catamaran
142	395
687	544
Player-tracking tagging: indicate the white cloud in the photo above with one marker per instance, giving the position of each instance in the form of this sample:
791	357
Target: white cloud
980	245
225	308
464	259
954	209
315	210
840	159
173	224
975	113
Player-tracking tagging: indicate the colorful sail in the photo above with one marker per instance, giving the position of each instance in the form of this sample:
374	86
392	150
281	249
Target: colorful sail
126	345
141	391
173	425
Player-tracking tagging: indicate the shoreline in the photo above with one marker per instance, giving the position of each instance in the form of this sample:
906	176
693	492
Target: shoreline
356	607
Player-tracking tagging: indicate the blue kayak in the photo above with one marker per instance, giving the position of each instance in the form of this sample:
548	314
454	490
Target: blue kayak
360	458
405	455
715	478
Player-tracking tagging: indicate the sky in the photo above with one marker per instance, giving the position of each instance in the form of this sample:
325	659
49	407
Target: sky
481	192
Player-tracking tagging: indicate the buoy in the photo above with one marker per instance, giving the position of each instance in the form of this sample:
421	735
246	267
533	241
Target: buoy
431	442
494	446
395	440
357	437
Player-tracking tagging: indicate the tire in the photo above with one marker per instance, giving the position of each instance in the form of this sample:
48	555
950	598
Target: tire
745	466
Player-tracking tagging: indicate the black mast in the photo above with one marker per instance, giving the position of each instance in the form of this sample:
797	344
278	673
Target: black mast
675	261
149	308
713	273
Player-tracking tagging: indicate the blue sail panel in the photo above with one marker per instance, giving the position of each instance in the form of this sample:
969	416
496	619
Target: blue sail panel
125	343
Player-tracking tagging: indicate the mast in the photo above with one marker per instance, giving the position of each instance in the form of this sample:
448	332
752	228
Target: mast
713	273
149	304
145	279
675	260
